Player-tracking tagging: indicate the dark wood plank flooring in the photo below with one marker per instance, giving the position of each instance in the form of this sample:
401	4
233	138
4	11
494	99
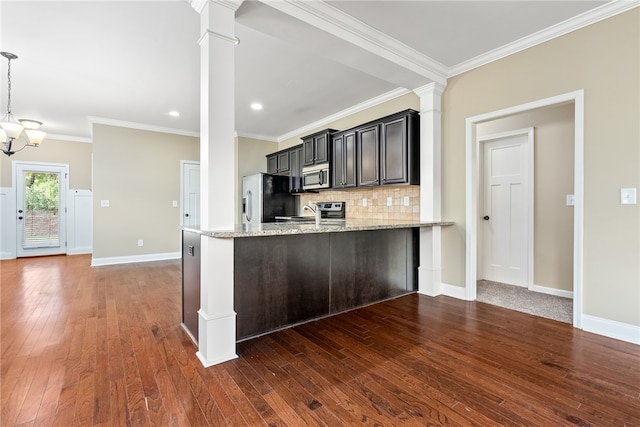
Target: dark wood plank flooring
103	346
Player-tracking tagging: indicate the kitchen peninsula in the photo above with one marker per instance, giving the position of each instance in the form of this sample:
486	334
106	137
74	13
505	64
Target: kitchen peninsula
289	273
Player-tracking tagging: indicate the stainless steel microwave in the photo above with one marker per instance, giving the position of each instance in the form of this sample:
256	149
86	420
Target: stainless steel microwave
316	177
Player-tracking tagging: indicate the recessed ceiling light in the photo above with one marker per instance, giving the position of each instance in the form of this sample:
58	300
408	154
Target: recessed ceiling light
174	113
256	106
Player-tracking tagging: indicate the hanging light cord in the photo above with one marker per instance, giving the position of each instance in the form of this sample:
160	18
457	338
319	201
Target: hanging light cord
9	85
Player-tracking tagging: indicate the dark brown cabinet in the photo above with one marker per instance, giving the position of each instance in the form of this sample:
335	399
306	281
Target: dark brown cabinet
399	149
190	281
389	150
368	164
295	172
316	148
344	159
279	163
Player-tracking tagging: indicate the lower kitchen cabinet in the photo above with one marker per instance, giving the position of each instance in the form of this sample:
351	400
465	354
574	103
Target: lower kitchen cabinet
284	280
190	281
279	281
371	266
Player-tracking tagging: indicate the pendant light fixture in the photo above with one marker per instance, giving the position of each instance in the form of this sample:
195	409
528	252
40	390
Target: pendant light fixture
10	128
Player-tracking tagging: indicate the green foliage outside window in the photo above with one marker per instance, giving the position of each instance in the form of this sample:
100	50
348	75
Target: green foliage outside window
41	191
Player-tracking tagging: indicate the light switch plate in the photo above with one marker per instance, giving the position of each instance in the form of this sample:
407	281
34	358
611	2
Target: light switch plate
628	196
104	203
364	202
406	200
571	200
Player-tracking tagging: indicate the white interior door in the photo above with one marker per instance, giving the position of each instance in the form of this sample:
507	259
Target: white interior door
506	209
41	208
190	208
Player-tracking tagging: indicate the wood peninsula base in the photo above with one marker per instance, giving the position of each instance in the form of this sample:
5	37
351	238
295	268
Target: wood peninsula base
284	280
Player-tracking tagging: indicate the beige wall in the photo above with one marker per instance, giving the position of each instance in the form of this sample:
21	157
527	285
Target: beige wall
553	180
410	100
604	60
139	173
251	157
76	154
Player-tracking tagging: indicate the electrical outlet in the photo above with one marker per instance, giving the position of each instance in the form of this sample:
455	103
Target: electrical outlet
140	242
571	200
174	203
364	201
104	203
389	201
627	196
406	200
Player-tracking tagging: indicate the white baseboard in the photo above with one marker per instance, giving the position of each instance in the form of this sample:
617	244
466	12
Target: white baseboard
611	328
552	291
80	251
452	291
95	262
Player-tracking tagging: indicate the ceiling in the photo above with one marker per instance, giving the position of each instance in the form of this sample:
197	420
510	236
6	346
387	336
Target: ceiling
131	62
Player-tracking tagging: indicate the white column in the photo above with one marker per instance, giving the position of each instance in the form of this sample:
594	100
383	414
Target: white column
430	269
217	318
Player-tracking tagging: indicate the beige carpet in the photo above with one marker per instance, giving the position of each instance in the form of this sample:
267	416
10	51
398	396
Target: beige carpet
523	300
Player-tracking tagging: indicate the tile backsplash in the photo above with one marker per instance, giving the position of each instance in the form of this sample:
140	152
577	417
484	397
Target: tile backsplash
376	197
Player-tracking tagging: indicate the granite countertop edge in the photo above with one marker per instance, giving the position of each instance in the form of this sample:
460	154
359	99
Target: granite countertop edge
288	228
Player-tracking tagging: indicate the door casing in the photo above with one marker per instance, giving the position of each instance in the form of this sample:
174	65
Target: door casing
472	192
18	167
194	217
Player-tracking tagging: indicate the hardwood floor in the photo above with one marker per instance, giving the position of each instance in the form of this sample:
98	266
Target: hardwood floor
103	346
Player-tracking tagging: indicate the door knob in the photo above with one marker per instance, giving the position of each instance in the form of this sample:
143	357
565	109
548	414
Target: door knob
486	217
20	211
186	214
19	217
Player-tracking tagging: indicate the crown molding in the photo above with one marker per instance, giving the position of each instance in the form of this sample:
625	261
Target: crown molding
70	138
141	126
334	21
346	113
580	21
258	137
198	5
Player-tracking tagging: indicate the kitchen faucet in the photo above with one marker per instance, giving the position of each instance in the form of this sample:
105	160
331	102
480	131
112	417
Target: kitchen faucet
316	212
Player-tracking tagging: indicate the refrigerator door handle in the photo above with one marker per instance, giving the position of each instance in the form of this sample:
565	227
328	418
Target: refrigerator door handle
247	206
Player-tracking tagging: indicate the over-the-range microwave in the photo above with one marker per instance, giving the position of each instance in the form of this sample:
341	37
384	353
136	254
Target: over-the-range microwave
316	177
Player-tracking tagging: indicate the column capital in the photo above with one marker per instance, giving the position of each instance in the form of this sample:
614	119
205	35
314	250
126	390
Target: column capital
198	5
433	88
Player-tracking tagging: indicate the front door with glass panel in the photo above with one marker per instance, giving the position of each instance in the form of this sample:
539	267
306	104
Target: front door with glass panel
40	209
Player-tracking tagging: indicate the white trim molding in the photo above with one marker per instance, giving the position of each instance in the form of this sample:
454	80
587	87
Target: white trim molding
7	223
592	16
334	21
97	262
140	126
472	192
611	328
551	291
345	113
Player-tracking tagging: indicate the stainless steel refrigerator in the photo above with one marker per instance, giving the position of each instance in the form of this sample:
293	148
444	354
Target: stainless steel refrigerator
264	197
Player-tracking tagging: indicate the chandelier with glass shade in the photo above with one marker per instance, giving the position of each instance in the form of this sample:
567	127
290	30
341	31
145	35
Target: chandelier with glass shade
12	130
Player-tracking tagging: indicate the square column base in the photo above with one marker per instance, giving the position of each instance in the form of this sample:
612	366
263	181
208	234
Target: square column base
216	338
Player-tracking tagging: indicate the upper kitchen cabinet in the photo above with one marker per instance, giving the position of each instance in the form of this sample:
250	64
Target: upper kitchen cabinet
389	150
343	162
279	163
400	149
295	172
316	148
368	148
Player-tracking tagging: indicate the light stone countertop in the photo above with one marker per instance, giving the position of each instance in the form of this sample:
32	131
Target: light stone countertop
326	226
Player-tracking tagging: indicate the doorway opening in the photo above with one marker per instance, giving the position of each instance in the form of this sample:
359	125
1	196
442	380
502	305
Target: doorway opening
474	215
40	208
